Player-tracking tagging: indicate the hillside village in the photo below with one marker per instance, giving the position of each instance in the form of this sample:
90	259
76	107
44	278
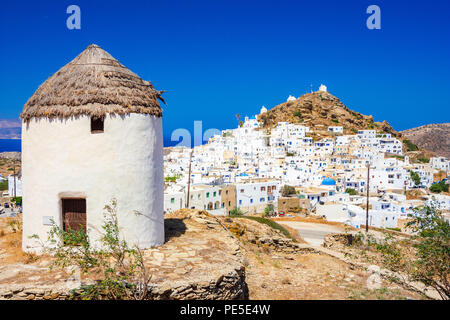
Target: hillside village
194	216
325	167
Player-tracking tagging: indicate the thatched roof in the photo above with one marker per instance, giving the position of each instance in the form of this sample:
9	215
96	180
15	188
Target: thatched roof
94	83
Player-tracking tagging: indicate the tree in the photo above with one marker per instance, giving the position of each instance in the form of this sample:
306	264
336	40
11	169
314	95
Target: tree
350	191
237	118
286	190
439	187
423	257
415	177
432	261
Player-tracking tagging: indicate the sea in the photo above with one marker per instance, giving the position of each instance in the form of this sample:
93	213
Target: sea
10	145
15	144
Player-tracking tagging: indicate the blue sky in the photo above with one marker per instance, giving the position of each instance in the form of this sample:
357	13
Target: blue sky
217	58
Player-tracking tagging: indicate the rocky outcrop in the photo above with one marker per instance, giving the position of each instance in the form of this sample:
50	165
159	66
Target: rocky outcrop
200	259
320	110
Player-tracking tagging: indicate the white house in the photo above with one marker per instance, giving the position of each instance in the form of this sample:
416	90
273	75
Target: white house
15	185
336	129
254	195
440	163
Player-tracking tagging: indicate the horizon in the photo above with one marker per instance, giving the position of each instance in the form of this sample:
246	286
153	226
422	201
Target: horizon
244	56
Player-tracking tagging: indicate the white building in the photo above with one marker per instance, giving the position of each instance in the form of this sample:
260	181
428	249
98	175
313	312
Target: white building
440	163
336	129
255	195
15	185
78	154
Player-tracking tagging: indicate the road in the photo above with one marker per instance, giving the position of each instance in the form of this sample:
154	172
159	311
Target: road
312	233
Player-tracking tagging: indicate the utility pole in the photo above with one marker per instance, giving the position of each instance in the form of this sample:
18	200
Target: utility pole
367	200
189	180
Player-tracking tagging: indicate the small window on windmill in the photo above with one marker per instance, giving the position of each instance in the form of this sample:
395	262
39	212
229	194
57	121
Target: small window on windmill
97	125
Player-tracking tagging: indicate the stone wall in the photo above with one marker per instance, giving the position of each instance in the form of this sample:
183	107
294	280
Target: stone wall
231	286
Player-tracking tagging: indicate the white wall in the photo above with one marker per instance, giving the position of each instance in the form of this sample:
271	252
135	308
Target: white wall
18	191
62	158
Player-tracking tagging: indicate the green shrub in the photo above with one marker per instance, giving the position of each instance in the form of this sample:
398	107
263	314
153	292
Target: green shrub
298	114
173	178
271	224
439	187
120	268
4	185
351	191
410	146
268	210
287	190
236	212
415	177
17	200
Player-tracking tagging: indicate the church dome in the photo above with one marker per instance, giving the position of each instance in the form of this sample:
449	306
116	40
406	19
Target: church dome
328	182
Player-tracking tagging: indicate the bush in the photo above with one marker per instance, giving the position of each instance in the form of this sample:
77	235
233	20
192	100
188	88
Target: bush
17	201
287	190
271	224
268	210
439	187
410	146
236	212
4	185
298	114
351	191
415	177
120	267
173	178
426	258
423	160
432	264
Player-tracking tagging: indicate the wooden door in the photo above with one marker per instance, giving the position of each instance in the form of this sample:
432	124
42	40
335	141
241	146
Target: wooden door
74	214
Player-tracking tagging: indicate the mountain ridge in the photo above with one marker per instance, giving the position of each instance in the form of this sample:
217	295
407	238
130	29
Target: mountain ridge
433	137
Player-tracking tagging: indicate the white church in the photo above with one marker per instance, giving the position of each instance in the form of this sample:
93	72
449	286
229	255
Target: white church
91	133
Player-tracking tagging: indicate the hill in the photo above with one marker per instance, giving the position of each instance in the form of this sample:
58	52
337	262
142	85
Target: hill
319	110
431	137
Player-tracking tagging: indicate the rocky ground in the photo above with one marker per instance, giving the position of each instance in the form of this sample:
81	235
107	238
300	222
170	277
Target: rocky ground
281	269
199	260
208	257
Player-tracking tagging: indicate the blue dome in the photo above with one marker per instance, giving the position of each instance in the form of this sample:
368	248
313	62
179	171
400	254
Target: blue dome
328	182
